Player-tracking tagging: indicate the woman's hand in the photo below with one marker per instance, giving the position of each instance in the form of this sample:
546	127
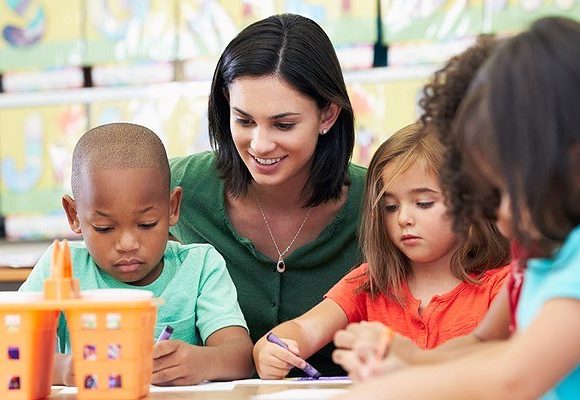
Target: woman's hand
273	361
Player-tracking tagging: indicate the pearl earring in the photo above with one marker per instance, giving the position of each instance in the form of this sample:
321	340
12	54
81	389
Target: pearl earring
324	131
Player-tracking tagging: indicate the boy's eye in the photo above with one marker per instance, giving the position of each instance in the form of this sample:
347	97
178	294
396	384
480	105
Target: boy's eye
285	126
148	225
391	208
102	229
425	204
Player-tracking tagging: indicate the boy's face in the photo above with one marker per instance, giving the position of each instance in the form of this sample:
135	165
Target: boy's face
124	217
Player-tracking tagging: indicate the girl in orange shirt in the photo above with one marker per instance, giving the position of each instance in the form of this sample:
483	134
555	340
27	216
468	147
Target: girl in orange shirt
420	278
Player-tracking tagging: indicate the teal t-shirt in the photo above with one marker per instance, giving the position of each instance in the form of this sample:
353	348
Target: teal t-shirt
198	294
267	297
547	279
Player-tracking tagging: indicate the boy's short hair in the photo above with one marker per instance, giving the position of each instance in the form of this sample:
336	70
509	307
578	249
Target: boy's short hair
118	145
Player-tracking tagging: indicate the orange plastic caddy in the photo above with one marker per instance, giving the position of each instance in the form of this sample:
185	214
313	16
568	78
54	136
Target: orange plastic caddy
111	334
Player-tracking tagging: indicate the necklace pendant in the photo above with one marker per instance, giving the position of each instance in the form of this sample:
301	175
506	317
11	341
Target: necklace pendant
280	265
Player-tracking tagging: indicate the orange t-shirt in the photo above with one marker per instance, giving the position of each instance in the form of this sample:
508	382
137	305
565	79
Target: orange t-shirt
449	315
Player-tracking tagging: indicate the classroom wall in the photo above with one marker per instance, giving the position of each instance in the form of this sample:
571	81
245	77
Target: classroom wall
150	61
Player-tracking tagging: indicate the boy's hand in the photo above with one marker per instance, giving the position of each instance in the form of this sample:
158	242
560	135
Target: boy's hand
273	361
63	370
177	363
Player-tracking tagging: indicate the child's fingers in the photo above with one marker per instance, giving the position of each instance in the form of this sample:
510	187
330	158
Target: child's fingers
272	367
349	360
344	339
366	351
165	347
290	358
274	372
166	376
292	345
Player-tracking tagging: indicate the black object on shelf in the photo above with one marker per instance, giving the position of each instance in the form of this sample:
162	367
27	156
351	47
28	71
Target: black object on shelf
2	228
381	51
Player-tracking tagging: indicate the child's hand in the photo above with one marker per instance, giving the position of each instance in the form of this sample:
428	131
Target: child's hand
63	370
273	361
177	363
360	370
361	349
369	339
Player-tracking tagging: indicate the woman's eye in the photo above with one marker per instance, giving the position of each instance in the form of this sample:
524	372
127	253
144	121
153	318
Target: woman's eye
285	126
102	229
425	204
391	208
243	122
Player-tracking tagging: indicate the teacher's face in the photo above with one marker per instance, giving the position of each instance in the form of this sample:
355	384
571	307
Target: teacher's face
275	129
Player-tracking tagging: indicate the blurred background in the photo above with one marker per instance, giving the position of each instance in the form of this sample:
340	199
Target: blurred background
68	65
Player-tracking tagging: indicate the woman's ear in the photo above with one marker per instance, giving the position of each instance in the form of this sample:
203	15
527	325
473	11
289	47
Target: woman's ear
70	209
328	117
174	205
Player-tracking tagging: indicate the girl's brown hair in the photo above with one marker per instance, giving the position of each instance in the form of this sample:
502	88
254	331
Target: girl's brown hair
481	249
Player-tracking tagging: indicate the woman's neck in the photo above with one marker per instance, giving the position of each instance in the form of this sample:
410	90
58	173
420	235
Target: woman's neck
275	197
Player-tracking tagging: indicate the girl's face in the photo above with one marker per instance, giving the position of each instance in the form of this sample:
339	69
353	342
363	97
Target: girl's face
275	129
417	220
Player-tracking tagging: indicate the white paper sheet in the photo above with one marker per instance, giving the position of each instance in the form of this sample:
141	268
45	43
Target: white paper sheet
301	394
296	381
202	387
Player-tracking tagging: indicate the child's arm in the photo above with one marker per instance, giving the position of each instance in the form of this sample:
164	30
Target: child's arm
524	367
227	355
304	335
358	340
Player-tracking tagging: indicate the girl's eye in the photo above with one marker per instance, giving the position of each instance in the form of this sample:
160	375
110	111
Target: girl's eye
102	229
243	122
285	126
148	226
391	208
425	204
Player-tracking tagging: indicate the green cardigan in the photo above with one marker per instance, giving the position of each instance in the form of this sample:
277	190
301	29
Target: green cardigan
268	298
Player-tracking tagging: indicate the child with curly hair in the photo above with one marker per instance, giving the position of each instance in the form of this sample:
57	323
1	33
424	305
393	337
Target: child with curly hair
517	130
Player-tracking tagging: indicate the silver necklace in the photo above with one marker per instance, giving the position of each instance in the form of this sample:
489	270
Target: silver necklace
281	265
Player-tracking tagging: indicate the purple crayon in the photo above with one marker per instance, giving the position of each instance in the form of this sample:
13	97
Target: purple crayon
165	334
309	369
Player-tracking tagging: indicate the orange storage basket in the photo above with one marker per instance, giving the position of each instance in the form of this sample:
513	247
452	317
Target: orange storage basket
112	344
27	346
111	333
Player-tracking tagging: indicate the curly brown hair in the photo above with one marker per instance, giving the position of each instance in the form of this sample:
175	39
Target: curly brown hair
518	128
442	96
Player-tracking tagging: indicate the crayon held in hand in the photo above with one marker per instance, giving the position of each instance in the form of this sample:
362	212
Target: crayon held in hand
309	369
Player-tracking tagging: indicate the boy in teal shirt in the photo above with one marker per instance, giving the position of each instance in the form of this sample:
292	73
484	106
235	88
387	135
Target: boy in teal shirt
123	208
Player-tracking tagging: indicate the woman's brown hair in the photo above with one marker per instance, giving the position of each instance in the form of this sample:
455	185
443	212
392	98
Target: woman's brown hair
481	249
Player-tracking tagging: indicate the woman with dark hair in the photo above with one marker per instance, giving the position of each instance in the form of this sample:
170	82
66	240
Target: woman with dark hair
277	197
